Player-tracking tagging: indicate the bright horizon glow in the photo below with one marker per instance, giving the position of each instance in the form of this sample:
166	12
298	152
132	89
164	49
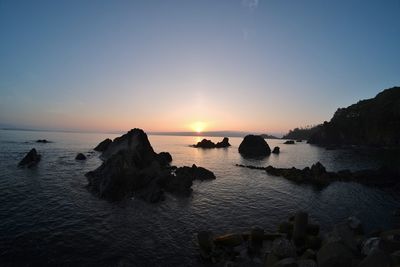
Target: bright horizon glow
198	126
249	66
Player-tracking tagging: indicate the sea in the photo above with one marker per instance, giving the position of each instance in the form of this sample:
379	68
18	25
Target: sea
49	218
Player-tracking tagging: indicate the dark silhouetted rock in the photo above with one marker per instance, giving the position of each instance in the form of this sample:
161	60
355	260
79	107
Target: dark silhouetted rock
300	227
317	175
371	122
132	168
254	146
276	150
164	158
103	145
289	142
299	140
205	143
335	254
44	141
31	159
80	156
223	143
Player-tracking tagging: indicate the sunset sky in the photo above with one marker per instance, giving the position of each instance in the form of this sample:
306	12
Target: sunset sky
262	66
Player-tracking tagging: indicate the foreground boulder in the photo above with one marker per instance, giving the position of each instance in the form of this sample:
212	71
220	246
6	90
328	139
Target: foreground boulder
131	168
254	146
205	143
31	159
103	145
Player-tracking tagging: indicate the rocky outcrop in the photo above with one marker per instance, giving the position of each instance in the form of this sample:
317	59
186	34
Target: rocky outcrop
317	175
80	156
131	168
223	143
254	146
103	145
371	122
31	159
205	143
276	150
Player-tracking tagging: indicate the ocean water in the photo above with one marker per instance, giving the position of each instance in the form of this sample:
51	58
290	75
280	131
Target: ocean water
48	218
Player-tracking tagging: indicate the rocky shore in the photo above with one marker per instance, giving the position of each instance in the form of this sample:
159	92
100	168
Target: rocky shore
317	175
299	243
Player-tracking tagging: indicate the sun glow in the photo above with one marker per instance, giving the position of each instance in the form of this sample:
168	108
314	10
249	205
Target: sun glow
198	126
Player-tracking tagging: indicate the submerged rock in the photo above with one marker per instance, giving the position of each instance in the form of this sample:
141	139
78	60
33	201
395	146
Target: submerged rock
254	146
80	156
44	141
205	143
103	145
31	159
132	168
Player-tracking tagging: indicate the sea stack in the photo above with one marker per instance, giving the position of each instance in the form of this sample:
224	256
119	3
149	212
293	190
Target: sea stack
254	146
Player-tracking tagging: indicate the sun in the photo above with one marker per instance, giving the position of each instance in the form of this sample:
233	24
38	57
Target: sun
198	126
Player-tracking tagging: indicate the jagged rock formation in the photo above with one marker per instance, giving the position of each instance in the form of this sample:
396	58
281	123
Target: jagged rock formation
131	168
103	145
205	143
254	146
31	159
371	122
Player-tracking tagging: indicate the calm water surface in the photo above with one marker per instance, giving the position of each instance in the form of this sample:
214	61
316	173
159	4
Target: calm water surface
47	217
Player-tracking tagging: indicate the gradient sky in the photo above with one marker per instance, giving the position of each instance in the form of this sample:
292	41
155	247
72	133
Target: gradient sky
265	66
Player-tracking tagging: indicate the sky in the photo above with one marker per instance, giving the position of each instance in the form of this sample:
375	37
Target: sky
238	65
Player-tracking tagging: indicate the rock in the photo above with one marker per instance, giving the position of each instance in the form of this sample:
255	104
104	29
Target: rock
307	263
390	240
31	159
289	142
287	262
229	240
254	146
334	254
313	229
370	245
257	237
396	257
309	254
286	227
164	158
205	143
376	258
80	156
276	150
132	168
103	145
283	248
270	260
300	227
313	242
206	244
355	225
342	232
318	169
43	141
299	141
223	143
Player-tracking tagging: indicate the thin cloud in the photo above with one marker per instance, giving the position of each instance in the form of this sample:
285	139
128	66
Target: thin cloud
251	4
